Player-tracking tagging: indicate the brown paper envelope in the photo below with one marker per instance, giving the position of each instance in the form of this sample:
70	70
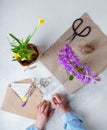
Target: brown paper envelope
12	103
95	60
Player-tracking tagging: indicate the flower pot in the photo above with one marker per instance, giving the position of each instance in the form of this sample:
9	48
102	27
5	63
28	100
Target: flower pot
35	56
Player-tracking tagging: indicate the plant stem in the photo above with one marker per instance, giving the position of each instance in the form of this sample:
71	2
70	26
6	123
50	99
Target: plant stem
34	31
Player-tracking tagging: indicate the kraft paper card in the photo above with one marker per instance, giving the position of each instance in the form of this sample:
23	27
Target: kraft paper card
13	104
95	60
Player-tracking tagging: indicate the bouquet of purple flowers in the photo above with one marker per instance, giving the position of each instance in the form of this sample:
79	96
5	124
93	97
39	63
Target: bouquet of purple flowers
72	64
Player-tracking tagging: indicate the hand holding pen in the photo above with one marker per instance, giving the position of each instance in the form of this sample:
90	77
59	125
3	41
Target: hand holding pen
44	110
60	103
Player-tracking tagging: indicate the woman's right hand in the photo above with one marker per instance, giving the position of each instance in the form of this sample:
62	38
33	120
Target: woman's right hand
59	102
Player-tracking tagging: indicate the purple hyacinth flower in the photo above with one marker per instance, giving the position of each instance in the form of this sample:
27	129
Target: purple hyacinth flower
72	64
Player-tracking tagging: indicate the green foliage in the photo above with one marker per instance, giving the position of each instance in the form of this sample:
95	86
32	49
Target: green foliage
22	49
71	77
27	40
15	38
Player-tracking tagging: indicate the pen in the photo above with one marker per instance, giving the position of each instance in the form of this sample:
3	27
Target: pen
28	94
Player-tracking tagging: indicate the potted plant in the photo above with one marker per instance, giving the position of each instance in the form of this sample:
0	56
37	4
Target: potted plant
24	52
72	64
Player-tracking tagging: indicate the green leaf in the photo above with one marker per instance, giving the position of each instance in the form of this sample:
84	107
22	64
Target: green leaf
15	38
27	40
71	77
30	36
11	43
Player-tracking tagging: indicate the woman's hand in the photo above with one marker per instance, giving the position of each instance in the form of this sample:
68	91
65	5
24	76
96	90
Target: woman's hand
43	114
59	102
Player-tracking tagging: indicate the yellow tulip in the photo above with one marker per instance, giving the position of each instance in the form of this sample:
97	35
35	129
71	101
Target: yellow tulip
40	21
23	59
16	55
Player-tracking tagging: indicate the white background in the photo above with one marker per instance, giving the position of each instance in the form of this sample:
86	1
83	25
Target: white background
20	17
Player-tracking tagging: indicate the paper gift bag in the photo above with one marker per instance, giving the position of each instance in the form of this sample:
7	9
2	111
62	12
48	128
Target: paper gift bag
95	60
13	104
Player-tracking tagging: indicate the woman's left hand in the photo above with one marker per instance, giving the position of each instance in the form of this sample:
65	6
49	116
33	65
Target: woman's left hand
43	114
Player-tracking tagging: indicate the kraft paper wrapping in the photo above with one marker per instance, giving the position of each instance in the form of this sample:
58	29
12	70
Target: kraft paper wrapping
12	103
95	60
